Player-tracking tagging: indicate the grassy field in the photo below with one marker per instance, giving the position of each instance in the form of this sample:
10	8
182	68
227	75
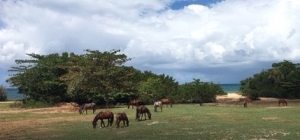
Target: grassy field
182	121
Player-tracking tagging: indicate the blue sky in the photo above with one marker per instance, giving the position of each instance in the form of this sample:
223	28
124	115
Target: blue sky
212	40
179	4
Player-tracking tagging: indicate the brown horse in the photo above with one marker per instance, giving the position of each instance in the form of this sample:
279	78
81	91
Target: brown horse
104	115
245	104
140	111
87	106
282	101
249	100
121	117
166	101
133	102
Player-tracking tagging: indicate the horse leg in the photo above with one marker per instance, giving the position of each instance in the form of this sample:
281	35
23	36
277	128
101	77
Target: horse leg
118	123
123	123
108	121
140	116
102	123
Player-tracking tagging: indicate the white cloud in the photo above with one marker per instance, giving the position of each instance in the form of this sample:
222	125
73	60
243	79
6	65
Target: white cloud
193	42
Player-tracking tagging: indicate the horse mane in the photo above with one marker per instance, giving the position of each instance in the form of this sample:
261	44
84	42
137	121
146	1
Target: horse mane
96	118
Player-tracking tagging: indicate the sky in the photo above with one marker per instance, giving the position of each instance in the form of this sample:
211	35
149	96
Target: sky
220	41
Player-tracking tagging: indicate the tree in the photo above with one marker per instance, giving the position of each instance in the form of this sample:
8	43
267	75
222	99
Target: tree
38	78
281	81
3	96
98	75
197	90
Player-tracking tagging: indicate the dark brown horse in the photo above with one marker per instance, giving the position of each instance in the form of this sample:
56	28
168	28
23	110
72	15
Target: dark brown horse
142	110
248	99
133	102
121	117
104	115
87	106
166	101
282	101
245	104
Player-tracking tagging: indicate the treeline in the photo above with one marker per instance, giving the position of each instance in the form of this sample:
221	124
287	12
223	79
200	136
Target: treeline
99	77
280	81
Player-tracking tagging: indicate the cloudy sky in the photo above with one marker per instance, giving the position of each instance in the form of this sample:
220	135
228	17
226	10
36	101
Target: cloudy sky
220	41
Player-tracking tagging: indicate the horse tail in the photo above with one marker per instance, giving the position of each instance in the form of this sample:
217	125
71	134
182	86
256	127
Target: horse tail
94	108
148	113
128	104
136	113
80	109
112	119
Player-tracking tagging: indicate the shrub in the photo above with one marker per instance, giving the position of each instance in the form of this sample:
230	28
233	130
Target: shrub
3	96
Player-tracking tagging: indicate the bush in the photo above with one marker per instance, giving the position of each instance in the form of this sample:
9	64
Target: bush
3	96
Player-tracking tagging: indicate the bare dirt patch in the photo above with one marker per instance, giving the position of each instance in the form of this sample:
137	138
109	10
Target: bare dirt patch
59	108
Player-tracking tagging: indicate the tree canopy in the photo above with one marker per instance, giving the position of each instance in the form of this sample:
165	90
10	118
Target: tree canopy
99	77
280	81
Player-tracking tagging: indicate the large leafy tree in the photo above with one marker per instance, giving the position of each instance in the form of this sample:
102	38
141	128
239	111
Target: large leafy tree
38	78
197	90
282	81
154	87
98	75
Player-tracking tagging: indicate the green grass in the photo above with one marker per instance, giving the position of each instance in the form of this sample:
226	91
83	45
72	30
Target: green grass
179	122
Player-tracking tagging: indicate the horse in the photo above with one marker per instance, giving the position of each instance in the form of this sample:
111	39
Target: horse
142	110
87	106
157	104
249	100
166	101
103	115
282	101
245	104
133	102
121	117
201	101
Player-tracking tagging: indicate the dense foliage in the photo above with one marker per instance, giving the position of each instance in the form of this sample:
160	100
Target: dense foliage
280	81
3	96
99	77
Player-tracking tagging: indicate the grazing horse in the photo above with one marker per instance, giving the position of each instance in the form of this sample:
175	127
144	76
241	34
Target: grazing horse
201	101
249	100
245	104
103	115
134	102
142	110
157	104
166	101
121	117
282	101
87	106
